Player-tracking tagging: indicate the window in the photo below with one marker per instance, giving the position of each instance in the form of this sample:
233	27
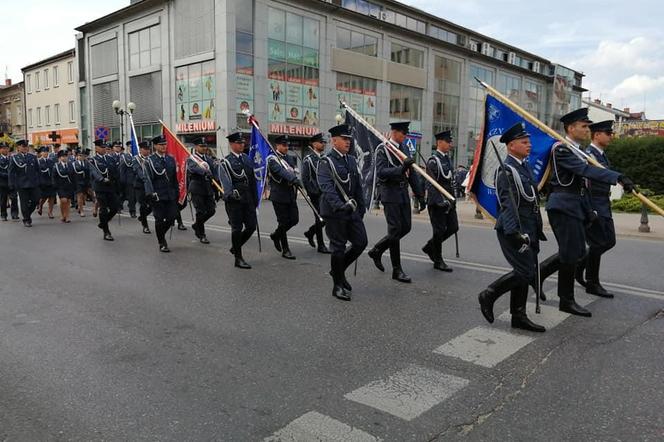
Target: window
359	93
194	27
510	85
533	98
443	34
37	86
47	115
104	58
56	113
70	72
363	7
28	83
56	79
72	112
446	97
406	104
476	102
293	68
144	48
45	78
195	93
39	120
405	55
30	118
357	42
244	60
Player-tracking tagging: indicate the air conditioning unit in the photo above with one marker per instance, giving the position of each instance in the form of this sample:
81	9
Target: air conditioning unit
536	67
473	46
511	58
486	49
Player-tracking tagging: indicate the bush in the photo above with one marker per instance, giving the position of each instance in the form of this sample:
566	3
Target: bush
631	204
641	159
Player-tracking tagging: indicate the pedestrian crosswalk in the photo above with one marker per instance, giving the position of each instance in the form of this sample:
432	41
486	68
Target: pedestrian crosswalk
314	426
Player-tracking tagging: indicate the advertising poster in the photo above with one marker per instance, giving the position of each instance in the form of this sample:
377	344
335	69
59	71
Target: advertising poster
294	93
277	112
310	96
277	91
195	93
295	114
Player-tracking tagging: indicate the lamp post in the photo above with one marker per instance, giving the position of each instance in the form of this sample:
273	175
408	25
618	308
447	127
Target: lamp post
119	110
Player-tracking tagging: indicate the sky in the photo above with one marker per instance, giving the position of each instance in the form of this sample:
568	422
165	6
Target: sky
619	45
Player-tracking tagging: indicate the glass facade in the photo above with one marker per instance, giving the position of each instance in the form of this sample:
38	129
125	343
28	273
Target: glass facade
476	103
405	55
244	60
357	41
359	93
510	86
406	105
447	95
144	48
293	51
195	93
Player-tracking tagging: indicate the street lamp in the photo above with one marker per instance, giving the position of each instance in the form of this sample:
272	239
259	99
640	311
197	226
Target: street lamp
339	118
117	107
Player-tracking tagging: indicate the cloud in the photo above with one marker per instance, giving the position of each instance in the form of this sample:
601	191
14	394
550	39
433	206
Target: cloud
638	85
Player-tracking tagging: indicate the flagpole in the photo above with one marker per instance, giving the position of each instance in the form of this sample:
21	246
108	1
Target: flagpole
544	128
214	182
396	152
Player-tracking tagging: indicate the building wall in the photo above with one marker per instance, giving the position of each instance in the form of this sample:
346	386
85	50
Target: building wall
12	111
238	65
51	101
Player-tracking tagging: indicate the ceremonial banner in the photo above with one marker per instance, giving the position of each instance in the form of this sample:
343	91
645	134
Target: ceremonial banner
498	117
258	153
363	148
134	138
180	154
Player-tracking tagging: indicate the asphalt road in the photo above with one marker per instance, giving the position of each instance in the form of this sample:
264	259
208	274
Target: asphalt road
116	341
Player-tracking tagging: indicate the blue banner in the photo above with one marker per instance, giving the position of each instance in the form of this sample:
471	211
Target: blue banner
498	117
363	148
258	153
134	138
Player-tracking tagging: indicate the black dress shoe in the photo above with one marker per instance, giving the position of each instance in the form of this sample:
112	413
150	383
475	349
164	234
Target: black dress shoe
108	237
14	218
595	288
203	239
4	218
287	254
146	230
232	250
277	242
241	264
310	237
323	249
181	227
373	254
345	284
523	323
428	250
26	224
340	293
573	308
442	266
164	248
399	275
486	305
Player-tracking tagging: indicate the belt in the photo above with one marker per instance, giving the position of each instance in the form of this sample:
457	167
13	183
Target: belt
572	190
600	194
396	184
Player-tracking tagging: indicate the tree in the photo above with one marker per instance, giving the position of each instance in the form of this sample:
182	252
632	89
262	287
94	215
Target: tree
641	159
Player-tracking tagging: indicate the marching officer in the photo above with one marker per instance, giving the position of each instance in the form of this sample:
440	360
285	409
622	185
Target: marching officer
393	179
161	186
64	183
46	189
569	208
601	234
283	194
83	180
310	182
7	195
200	176
24	178
127	179
519	230
240	195
144	207
442	212
342	206
104	173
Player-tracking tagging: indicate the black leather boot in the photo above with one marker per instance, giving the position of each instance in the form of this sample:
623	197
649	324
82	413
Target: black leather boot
428	249
337	271
399	275
580	270
285	250
521	321
276	239
495	290
566	292
376	254
592	273
309	234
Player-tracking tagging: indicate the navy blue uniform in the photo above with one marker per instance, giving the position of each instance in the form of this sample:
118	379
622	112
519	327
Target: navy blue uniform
202	192
83	178
393	192
64	179
24	178
241	198
310	183
161	185
335	172
283	194
127	179
105	175
145	207
7	195
46	189
601	234
442	213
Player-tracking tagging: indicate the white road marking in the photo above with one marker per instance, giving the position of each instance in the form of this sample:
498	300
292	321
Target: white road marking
314	426
409	392
484	346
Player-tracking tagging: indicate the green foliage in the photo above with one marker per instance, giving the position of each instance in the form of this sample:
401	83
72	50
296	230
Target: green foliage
641	159
7	139
631	204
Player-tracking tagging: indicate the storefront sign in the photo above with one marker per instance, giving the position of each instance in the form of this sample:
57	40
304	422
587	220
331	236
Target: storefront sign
198	126
288	129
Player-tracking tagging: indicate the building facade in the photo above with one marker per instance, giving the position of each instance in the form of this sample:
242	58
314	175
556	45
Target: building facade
198	64
51	100
12	117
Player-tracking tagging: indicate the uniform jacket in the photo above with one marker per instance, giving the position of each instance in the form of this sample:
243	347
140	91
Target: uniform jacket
4	171
199	178
23	171
393	182
104	174
83	178
126	169
599	192
161	177
282	178
440	168
344	169
45	171
310	174
238	174
139	171
64	176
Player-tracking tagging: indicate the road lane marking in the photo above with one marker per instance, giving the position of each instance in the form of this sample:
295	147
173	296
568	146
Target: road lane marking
409	392
314	426
484	346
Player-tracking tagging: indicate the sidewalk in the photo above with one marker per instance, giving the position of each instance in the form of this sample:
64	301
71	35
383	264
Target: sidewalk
627	224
